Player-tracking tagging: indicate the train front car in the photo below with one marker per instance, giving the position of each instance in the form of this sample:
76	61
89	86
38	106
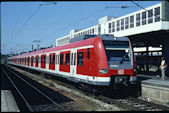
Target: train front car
119	64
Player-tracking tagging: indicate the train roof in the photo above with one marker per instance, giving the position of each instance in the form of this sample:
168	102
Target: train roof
77	42
103	37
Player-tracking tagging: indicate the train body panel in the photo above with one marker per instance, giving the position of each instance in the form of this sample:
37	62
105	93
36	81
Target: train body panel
100	60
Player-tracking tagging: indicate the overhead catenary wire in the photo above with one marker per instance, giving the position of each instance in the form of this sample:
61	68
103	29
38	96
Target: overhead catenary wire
28	19
33	15
16	22
146	10
50	25
120	6
82	19
70	25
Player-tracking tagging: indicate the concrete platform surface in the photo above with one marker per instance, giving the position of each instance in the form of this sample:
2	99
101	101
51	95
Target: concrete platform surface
154	77
160	83
153	88
8	103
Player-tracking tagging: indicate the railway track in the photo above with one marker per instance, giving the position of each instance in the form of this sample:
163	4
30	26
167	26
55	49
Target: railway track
126	103
33	97
134	104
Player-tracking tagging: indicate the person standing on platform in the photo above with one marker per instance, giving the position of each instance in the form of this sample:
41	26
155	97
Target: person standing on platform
163	68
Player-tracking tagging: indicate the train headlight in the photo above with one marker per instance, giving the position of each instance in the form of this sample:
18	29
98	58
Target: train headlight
103	71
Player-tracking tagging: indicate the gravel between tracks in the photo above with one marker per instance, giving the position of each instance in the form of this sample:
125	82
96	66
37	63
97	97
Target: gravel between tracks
81	102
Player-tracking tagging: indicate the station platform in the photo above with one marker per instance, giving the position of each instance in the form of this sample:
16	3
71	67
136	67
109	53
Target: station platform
153	88
8	103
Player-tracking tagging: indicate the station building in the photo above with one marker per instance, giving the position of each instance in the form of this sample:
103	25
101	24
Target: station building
154	18
148	27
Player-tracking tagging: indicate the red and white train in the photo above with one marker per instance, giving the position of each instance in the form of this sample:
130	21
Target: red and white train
100	60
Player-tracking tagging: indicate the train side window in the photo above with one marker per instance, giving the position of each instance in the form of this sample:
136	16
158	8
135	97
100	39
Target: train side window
61	59
80	59
72	59
50	59
30	60
53	59
88	53
37	59
41	59
67	59
56	59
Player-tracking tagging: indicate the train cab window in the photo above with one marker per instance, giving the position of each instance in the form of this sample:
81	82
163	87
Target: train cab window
117	55
67	59
80	59
88	53
61	59
53	59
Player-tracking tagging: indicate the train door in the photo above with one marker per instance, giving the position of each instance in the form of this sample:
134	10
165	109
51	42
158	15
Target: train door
28	61
25	60
73	63
15	60
52	61
57	61
37	60
43	61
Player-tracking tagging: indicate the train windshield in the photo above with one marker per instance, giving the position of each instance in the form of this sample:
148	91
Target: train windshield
117	55
117	50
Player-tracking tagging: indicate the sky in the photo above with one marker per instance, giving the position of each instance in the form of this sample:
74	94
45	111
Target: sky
24	22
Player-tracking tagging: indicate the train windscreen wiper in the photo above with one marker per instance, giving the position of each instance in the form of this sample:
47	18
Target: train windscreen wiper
126	57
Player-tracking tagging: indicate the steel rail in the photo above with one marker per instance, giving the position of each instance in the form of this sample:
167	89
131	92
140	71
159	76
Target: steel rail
28	105
38	90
